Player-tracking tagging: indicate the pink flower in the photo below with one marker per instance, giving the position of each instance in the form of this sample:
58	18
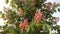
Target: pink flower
24	25
21	26
56	19
48	6
21	11
26	22
39	16
6	17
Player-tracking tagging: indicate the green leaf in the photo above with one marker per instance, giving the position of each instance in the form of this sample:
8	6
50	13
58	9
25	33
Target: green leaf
7	1
59	9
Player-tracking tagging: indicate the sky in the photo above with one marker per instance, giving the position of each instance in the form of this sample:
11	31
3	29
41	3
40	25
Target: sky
2	4
57	14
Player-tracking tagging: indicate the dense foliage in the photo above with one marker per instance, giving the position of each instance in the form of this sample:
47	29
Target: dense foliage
29	17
